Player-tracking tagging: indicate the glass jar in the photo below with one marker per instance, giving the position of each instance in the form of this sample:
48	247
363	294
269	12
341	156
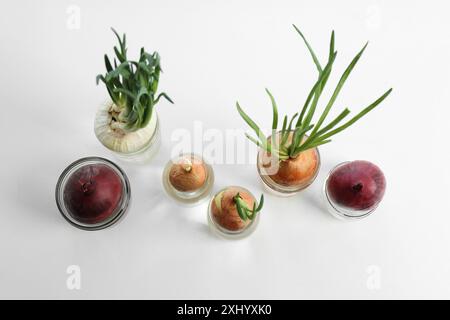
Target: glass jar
226	233
145	142
93	193
287	178
148	151
189	196
345	212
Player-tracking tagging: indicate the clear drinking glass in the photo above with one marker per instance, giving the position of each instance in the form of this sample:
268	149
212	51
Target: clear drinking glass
269	168
223	232
92	175
148	139
194	197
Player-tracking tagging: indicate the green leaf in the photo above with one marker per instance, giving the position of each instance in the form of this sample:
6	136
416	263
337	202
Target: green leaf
311	51
297	139
338	89
333	123
317	88
239	207
119	71
148	113
357	117
285	137
119	55
117	36
125	92
267	147
305	106
261	204
154	83
274	110
108	64
142	55
252	124
252	213
292	120
330	55
259	144
163	94
122	44
318	91
330	126
100	77
283	130
140	108
313	145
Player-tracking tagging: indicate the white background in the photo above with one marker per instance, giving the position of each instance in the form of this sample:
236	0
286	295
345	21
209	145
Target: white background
213	53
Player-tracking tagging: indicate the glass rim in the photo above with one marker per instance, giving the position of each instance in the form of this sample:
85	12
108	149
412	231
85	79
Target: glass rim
283	189
230	234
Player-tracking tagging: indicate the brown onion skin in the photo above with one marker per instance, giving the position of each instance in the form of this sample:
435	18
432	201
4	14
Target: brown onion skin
293	171
92	193
228	217
298	170
188	181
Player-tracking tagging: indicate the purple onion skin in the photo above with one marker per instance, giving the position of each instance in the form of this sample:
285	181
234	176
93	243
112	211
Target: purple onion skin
92	193
357	185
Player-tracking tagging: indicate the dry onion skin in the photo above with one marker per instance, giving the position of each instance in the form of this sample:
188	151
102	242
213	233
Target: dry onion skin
188	174
293	171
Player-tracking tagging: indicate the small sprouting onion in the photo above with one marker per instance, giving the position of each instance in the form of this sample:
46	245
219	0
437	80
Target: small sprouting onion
304	135
188	174
244	211
132	86
234	209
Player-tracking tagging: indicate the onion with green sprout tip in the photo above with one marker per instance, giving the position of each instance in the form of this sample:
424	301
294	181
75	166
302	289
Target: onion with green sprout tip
188	174
128	122
290	148
234	208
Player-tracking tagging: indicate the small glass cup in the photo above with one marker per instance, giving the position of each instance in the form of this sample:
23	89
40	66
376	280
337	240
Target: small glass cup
148	151
268	166
341	212
222	232
92	162
188	198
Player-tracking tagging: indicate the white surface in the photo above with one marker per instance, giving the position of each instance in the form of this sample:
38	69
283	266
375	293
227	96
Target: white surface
213	53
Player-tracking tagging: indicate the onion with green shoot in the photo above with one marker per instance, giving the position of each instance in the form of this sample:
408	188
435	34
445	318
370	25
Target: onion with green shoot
188	174
235	208
291	147
128	122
